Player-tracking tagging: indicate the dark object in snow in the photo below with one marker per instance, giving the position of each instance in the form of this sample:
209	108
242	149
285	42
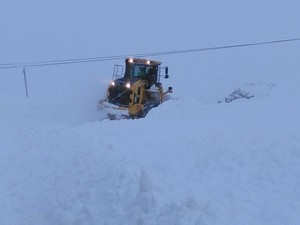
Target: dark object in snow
238	93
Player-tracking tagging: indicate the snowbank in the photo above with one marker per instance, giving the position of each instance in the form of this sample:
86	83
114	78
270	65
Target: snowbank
187	162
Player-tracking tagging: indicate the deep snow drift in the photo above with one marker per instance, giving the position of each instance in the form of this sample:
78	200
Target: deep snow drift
190	161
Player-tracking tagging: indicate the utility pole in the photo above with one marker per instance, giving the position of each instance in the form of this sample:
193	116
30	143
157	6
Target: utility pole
25	81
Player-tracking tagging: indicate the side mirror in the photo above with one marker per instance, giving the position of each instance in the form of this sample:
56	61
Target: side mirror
166	72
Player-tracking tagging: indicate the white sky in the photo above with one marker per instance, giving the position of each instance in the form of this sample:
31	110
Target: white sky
45	30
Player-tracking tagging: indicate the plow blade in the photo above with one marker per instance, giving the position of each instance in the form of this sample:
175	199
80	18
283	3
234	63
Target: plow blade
114	112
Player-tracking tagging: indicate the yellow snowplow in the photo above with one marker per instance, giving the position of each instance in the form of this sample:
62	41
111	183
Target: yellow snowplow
131	94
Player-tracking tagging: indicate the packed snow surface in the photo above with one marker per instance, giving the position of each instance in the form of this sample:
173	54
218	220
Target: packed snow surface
194	160
188	162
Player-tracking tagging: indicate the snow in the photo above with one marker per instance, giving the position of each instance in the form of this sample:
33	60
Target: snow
191	161
187	162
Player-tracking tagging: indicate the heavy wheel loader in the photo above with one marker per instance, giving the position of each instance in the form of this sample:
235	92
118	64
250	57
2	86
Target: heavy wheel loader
133	93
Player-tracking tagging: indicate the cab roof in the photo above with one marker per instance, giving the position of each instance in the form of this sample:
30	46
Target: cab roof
143	61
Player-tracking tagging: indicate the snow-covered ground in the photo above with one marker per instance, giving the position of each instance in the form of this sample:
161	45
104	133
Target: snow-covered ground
189	161
192	160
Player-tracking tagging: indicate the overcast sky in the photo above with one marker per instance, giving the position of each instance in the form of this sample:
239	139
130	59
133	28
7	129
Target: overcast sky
42	30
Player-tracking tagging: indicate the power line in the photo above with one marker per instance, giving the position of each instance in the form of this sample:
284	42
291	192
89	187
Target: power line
116	57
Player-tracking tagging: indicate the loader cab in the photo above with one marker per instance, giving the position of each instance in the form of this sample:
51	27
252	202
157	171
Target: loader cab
142	69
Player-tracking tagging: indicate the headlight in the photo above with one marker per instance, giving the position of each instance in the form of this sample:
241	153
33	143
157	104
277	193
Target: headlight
112	83
128	85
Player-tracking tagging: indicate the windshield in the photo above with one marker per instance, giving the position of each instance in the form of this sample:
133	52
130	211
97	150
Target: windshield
141	70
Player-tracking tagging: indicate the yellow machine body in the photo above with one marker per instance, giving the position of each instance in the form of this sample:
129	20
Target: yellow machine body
133	94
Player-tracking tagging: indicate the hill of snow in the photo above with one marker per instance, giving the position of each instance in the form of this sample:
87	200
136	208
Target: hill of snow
188	162
192	160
